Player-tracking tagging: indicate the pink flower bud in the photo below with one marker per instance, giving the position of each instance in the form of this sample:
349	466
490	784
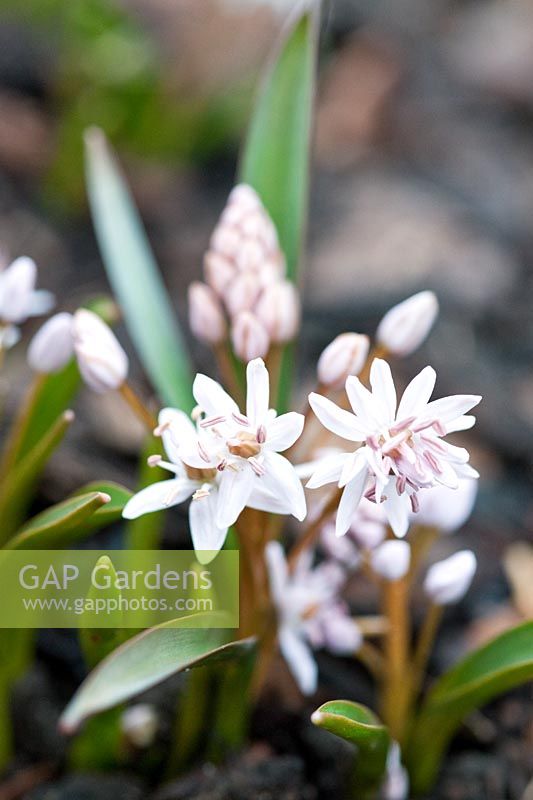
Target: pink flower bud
102	362
344	356
52	347
206	317
249	337
278	309
405	326
444	508
391	559
449	580
242	293
218	271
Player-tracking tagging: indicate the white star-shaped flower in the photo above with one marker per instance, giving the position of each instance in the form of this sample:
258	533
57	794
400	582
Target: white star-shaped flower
19	299
401	447
244	449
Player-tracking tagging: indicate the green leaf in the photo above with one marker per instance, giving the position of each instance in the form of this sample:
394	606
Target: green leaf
18	484
59	525
359	725
276	155
97	643
146	660
134	276
502	664
111	511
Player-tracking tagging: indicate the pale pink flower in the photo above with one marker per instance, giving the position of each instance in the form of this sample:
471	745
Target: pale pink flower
206	318
345	355
244	448
449	580
249	337
402	449
310	614
405	326
19	299
447	509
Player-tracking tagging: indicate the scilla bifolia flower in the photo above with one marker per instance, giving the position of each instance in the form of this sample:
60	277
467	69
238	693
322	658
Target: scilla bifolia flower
406	325
206	318
391	560
401	447
244	448
310	615
345	355
19	299
448	581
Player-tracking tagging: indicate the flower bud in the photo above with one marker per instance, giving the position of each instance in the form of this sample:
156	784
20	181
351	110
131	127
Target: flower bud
101	360
242	293
444	508
405	326
18	297
342	635
391	560
249	338
218	272
206	317
139	724
448	581
278	309
52	347
344	356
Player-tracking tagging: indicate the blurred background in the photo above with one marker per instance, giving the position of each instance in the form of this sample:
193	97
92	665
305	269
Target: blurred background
422	178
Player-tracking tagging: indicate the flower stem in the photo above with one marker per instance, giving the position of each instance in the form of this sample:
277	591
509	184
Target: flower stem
311	534
372	659
426	637
396	683
138	406
227	369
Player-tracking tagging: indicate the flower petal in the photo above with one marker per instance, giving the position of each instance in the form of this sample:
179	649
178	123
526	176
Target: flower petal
350	499
463	423
417	394
207	537
397	508
278	573
328	470
447	409
159	496
257	392
300	660
364	406
336	419
179	433
263	500
383	389
212	398
281	479
234	490
284	431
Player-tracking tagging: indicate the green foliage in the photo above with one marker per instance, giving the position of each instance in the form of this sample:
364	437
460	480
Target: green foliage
501	665
135	277
146	532
148	659
358	725
97	643
275	160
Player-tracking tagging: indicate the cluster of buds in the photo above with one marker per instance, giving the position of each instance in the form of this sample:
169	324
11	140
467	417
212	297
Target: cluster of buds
246	295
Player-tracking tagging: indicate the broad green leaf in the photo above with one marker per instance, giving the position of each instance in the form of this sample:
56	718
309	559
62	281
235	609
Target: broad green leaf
135	277
276	155
111	511
502	664
97	643
146	660
60	525
359	725
18	484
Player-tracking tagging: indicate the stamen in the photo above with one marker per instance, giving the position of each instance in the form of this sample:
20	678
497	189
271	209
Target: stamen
201	493
415	503
160	429
400	484
154	461
257	467
401	426
240	419
261	434
221	466
203	452
196	413
210	422
373	442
